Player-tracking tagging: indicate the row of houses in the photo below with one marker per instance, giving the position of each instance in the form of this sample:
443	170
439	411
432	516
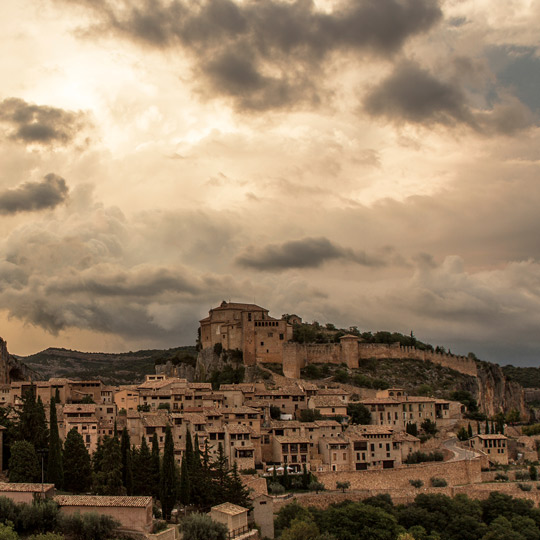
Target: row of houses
242	418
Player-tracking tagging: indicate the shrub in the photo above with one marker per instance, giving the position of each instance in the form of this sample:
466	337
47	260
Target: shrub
7	532
533	472
276	489
500	477
525	487
159	525
522	475
421	457
45	536
316	486
89	526
438	482
200	527
416	483
341	376
218	348
37	517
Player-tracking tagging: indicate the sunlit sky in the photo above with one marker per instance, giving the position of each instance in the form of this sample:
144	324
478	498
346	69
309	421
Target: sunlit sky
356	162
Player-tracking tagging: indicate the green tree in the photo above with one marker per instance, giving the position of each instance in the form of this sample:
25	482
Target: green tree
155	465
184	492
301	529
7	532
287	514
343	486
358	413
142	470
55	468
533	473
32	425
168	475
127	465
202	527
77	466
469	431
24	465
236	491
108	479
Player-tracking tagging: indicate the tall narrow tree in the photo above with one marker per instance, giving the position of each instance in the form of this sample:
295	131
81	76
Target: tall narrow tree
155	466
142	470
237	492
55	469
168	476
108	481
184	491
77	467
127	464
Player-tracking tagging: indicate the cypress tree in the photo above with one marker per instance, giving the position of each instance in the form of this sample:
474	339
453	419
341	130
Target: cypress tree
127	464
32	422
57	395
493	427
24	464
55	469
155	466
143	480
487	427
237	492
108	481
184	491
77	467
469	430
168	476
220	470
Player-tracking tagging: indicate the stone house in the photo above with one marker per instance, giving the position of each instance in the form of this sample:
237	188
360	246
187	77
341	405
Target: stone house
82	417
328	406
495	446
127	398
234	517
292	451
133	513
26	492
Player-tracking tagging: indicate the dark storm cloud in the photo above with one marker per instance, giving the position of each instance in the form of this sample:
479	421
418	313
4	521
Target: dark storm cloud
305	253
39	124
412	94
267	54
34	196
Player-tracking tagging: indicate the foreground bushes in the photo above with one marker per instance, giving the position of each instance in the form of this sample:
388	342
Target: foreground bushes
421	457
43	521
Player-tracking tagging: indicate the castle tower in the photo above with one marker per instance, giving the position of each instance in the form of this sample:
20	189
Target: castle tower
349	350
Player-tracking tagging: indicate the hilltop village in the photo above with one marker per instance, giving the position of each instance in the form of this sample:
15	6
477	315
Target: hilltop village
369	443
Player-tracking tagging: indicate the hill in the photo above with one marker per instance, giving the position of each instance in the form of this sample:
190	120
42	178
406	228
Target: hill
111	368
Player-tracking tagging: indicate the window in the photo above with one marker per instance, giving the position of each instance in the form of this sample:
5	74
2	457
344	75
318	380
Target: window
262	343
281	337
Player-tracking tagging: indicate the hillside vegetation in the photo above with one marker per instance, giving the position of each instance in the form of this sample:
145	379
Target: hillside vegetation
414	376
528	377
111	368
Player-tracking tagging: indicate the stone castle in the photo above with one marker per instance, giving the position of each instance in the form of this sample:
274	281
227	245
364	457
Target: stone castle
264	339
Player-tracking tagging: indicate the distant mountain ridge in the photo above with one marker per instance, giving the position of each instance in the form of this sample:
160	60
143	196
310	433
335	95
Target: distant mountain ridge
112	368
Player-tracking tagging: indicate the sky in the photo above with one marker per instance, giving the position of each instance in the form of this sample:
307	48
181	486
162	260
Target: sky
358	162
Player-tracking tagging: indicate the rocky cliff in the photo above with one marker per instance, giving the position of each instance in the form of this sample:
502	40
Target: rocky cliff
10	368
496	393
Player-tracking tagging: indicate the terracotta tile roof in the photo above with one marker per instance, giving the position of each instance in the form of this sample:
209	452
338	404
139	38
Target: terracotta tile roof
492	436
285	424
325	423
229	508
327	401
292	439
332	392
380	401
24	487
98	500
154	420
240	410
201	386
72	408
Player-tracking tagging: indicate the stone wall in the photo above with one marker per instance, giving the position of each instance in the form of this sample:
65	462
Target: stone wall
298	355
454	472
463	364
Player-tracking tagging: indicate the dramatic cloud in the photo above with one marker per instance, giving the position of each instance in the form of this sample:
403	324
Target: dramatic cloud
305	253
34	196
412	94
39	124
268	54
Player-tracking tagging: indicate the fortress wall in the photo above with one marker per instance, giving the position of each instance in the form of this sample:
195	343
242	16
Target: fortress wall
454	472
463	364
